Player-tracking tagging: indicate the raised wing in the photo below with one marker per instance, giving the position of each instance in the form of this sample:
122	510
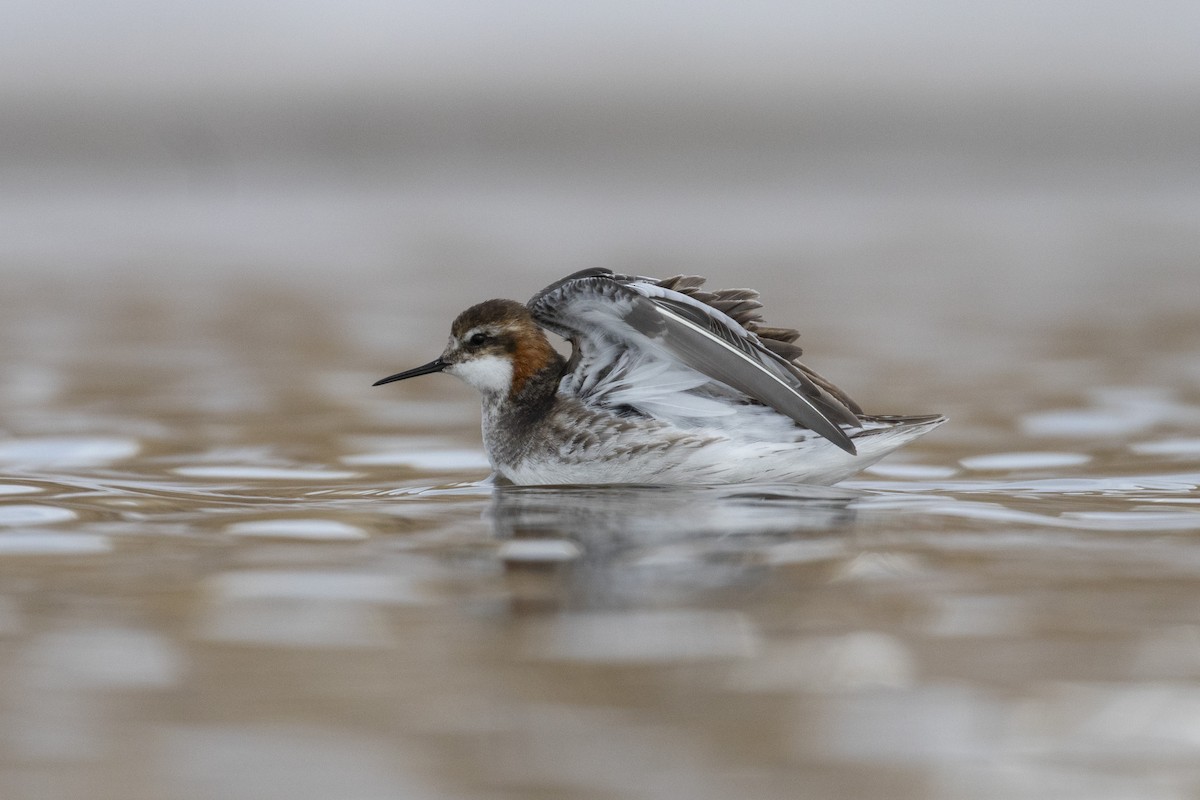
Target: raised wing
611	318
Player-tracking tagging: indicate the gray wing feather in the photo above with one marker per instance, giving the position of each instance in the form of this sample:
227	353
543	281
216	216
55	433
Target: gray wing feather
700	336
704	344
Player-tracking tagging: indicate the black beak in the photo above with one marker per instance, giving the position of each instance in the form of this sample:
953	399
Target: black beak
437	365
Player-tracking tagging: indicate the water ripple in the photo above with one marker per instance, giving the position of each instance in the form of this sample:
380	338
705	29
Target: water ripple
310	529
34	515
65	451
52	543
255	473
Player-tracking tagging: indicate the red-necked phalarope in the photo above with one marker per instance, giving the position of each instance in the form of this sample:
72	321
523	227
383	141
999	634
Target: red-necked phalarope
666	384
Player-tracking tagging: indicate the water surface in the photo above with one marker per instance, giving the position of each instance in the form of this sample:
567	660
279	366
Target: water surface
230	568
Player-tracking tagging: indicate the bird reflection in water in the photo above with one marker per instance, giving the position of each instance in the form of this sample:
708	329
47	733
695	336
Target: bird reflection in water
624	546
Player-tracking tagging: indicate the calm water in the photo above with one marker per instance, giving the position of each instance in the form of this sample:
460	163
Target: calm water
229	568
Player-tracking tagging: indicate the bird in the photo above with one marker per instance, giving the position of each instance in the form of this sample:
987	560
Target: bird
666	383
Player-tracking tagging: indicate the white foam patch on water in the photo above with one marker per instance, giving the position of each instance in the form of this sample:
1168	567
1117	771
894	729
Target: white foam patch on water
65	451
29	384
16	488
327	530
644	637
1104	717
1116	411
240	472
927	724
1168	447
302	585
429	460
911	471
29	543
1085	423
539	550
1151	519
304	609
1111	486
1030	460
106	658
30	514
974	616
1134	520
297	623
852	662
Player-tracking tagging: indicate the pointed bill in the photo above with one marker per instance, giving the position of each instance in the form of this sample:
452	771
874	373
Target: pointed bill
437	365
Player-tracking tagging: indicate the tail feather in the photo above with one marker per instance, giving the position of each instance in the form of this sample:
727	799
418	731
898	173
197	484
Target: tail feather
883	434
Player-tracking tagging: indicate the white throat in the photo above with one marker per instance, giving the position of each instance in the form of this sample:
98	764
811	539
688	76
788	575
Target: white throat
491	375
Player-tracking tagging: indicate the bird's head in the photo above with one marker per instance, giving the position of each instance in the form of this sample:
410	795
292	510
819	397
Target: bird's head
495	346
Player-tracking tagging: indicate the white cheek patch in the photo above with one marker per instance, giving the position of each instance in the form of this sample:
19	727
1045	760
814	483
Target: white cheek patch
488	374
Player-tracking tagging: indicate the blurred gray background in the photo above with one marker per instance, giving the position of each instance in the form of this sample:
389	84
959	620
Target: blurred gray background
943	161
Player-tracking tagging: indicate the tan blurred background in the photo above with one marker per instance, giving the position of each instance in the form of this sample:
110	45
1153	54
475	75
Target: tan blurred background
1042	154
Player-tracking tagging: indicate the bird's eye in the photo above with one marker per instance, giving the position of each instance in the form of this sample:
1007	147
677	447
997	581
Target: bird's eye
478	339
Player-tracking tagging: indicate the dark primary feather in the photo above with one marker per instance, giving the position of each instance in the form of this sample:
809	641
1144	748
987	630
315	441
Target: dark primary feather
776	339
740	356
